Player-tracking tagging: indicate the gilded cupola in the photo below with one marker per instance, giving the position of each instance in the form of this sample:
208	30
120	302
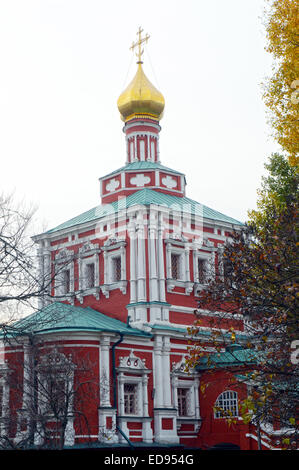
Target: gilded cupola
140	98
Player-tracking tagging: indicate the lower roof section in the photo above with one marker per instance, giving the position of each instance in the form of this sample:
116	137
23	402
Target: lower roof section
61	317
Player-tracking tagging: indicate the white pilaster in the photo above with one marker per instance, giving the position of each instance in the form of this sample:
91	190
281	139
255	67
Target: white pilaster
166	372
104	372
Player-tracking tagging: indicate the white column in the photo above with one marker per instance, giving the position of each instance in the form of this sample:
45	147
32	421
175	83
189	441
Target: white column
132	235
158	372
148	147
123	263
40	261
160	257
168	264
105	371
144	394
154	291
197	409
141	268
121	399
135	148
106	281
166	372
174	383
187	263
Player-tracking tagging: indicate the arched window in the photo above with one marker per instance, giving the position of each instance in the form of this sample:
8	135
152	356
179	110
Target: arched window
226	405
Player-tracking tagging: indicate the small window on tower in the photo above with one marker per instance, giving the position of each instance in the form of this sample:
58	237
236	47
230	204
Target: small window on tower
116	269
90	275
130	399
175	266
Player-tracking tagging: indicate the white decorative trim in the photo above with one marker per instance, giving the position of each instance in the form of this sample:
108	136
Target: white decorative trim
139	377
169	182
112	185
140	180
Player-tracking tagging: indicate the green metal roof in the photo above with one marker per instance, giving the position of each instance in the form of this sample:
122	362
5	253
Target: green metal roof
231	358
64	317
146	197
135	166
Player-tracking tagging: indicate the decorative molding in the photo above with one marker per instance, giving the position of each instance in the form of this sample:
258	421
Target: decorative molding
112	185
113	242
169	182
89	249
140	180
132	362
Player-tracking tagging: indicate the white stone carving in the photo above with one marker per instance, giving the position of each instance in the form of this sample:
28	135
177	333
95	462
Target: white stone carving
169	182
132	362
88	247
112	185
140	180
180	366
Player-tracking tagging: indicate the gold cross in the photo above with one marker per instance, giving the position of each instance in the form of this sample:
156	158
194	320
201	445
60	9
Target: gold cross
138	43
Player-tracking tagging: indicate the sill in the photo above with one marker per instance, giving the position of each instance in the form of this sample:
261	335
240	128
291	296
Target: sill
95	291
172	283
121	285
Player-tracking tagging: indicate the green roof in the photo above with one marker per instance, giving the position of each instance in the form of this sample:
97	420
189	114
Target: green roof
64	317
230	358
146	197
146	165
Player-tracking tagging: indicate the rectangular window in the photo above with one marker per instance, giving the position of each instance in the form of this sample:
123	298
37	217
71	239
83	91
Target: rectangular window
66	281
56	396
201	267
89	275
175	266
183	401
130	399
116	269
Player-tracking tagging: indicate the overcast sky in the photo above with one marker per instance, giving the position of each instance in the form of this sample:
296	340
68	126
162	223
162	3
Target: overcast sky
65	62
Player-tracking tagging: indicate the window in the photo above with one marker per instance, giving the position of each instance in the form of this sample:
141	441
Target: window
183	401
130	398
116	269
175	266
56	395
66	281
226	405
201	267
89	275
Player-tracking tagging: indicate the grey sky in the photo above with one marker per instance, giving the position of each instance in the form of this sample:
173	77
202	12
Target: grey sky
64	64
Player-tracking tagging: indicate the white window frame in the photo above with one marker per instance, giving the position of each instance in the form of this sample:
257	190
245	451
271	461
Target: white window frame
189	385
184	253
132	370
61	363
64	261
231	402
89	254
115	250
179	380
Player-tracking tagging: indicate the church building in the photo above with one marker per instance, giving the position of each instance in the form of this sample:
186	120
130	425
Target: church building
121	287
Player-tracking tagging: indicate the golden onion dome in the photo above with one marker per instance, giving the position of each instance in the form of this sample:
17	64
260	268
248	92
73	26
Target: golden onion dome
141	99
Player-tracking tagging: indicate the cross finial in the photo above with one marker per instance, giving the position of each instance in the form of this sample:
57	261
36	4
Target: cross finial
139	43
